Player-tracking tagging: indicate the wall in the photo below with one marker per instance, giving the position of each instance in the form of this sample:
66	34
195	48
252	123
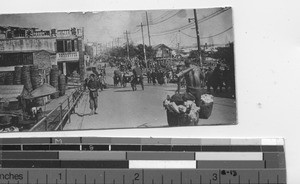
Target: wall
81	59
44	60
28	44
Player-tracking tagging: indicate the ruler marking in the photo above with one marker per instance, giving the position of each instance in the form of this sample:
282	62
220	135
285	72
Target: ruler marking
152	181
277	179
220	176
104	177
229	181
239	179
85	179
46	178
75	181
94	181
180	177
258	177
56	181
171	181
191	181
248	181
114	182
209	181
162	179
66	176
268	181
143	181
123	179
37	181
200	179
27	176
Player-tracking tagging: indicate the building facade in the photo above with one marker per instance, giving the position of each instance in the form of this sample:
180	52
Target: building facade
27	46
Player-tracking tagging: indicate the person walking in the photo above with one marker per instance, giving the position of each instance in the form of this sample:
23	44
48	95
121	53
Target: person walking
93	86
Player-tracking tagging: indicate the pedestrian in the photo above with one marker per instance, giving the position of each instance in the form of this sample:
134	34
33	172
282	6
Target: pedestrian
153	76
138	75
93	86
149	76
191	75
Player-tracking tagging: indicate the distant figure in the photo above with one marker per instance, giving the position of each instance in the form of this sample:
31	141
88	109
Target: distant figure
153	76
149	76
93	86
138	76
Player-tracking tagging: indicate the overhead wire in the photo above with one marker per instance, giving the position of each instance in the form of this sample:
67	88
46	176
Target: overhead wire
166	18
190	25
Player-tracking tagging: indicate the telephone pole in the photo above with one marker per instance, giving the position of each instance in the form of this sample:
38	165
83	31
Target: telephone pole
118	41
198	37
126	33
144	49
148	28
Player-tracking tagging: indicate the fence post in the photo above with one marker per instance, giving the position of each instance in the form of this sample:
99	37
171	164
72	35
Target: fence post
60	115
69	119
46	126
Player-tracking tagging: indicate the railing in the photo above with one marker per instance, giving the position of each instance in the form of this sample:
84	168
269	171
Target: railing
62	33
67	56
41	34
58	117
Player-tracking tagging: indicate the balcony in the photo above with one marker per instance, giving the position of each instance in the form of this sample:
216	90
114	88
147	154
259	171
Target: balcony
41	34
67	56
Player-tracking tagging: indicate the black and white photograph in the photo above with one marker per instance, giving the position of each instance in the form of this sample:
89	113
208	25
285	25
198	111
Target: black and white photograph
117	69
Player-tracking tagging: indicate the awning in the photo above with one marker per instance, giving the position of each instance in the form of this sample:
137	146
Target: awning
42	91
11	92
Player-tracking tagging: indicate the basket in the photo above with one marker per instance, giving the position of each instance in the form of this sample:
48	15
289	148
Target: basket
205	110
182	119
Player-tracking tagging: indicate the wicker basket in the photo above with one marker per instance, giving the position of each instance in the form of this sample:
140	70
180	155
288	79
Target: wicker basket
205	110
182	119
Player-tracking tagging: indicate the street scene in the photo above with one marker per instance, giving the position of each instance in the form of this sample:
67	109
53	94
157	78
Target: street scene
118	69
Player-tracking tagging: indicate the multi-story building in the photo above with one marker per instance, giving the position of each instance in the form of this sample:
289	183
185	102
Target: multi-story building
24	46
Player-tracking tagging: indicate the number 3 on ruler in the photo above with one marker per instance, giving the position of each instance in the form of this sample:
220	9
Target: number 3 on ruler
215	176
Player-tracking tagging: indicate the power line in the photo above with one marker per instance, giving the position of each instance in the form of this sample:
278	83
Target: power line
162	15
190	25
167	18
208	36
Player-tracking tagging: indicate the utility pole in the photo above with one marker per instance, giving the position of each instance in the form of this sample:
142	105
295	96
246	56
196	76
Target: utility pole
198	37
126	33
144	48
118	41
148	28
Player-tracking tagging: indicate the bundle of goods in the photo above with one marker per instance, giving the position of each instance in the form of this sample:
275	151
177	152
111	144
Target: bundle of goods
206	106
181	110
25	77
9	78
35	76
54	80
17	77
62	84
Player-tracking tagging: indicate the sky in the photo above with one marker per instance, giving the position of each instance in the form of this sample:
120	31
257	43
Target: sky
106	27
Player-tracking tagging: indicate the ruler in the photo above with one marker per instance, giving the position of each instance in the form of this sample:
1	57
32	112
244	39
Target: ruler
115	160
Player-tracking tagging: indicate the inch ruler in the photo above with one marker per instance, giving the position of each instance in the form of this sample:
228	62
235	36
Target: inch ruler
104	160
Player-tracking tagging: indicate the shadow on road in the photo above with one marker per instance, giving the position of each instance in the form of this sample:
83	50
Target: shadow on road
124	90
82	115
